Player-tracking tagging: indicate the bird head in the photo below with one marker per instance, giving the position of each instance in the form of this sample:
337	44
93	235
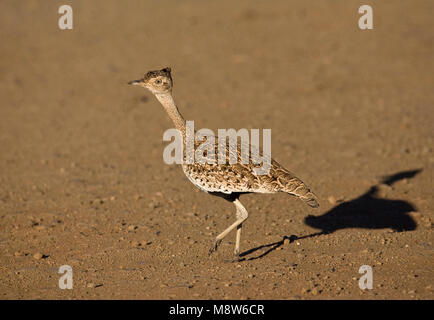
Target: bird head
157	81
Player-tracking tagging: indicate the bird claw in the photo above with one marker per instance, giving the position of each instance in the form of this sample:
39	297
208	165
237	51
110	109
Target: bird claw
214	246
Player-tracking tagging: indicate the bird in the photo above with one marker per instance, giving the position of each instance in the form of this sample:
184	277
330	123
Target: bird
225	180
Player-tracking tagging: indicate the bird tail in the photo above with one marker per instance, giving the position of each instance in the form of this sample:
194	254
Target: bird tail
311	200
300	190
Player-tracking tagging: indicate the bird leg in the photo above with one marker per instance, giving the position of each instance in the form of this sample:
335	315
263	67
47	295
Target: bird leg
238	240
241	215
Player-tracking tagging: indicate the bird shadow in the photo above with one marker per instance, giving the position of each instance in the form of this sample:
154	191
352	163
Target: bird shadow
368	211
271	247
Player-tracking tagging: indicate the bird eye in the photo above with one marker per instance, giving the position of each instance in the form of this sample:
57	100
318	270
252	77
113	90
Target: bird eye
158	81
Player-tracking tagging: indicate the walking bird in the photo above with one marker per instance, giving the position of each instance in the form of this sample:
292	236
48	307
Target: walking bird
225	180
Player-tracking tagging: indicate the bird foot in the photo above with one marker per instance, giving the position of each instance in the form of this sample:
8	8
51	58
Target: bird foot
237	258
232	260
214	246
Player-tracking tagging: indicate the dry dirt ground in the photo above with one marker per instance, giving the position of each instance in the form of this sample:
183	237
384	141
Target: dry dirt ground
83	183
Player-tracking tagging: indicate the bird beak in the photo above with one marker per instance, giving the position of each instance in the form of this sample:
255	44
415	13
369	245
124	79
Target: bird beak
136	82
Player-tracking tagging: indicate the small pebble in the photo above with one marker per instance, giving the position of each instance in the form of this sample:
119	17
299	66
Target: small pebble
136	244
331	199
154	205
38	256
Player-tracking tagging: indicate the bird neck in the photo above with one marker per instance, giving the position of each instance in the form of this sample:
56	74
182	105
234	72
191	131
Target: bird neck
168	103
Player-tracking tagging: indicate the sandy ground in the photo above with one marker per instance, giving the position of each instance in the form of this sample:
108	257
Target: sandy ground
83	183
